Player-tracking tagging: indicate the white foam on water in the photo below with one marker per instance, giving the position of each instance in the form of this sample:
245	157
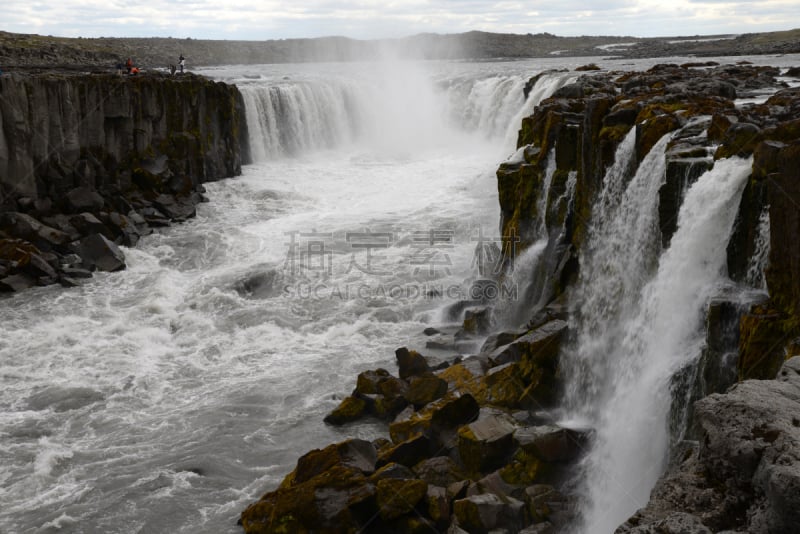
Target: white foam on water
168	396
632	361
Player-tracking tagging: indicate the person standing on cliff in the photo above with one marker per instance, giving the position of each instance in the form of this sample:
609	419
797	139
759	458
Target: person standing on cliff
181	62
129	65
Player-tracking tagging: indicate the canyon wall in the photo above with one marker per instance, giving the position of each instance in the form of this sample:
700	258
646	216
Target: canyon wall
475	441
84	155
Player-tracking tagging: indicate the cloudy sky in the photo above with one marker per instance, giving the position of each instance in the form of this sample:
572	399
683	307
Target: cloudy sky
365	19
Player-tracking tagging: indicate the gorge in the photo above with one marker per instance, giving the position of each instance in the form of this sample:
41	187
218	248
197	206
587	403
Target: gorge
647	224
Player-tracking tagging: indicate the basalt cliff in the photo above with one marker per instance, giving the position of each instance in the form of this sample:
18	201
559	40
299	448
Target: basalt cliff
92	161
474	444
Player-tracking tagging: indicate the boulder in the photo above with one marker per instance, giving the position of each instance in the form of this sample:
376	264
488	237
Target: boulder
438	419
399	497
545	340
425	389
386	393
175	209
154	217
16	283
458	490
392	470
536	354
505	386
441	342
349	410
439	471
477	321
438	506
124	226
336	500
494	483
487	443
411	363
542	500
480	514
39	267
86	223
76	272
351	454
740	139
96	250
408	453
84	199
26	227
368	381
499	339
552	443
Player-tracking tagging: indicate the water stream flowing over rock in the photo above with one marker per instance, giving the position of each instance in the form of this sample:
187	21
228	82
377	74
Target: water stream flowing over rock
344	339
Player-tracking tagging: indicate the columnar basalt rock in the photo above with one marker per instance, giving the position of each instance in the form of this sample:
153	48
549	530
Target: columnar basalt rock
106	156
471	439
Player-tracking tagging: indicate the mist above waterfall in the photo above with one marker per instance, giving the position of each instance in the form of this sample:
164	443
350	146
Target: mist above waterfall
392	106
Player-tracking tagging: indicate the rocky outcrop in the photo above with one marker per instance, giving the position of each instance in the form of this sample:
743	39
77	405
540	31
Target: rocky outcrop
744	475
468	451
580	128
476	430
89	162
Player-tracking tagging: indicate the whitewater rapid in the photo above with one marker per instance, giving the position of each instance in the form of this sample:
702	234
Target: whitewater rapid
167	397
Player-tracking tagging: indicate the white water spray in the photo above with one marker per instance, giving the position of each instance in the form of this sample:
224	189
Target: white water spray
758	262
617	258
634	360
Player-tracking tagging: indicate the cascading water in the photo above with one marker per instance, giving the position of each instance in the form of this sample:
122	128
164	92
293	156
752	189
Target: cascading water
167	397
642	325
288	118
526	274
758	262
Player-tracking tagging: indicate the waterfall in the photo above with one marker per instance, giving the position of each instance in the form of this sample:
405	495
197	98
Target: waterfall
398	108
541	204
288	118
758	262
644	325
616	259
546	85
527	273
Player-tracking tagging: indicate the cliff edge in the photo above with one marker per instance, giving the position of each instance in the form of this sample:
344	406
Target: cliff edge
91	161
475	443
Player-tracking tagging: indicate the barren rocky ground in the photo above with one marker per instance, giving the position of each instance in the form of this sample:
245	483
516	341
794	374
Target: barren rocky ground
21	50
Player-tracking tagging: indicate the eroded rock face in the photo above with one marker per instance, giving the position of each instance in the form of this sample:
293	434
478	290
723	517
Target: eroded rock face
110	155
476	436
745	474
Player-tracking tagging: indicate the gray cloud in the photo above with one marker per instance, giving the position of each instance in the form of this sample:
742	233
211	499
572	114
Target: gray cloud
273	19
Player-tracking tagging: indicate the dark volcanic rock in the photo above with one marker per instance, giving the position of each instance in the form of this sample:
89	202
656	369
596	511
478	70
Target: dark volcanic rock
84	199
98	251
746	474
480	514
354	453
410	363
143	148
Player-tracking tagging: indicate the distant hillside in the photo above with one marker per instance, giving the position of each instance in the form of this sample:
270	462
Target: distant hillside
21	50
